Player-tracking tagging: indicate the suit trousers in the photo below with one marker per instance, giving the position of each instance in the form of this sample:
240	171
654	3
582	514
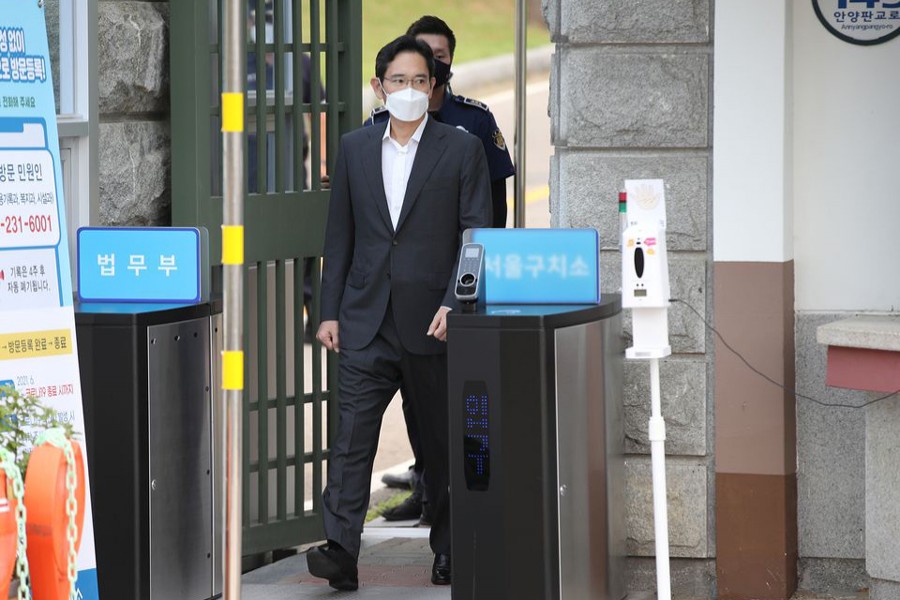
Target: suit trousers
368	379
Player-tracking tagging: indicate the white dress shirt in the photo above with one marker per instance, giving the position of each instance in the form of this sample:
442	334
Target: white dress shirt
396	165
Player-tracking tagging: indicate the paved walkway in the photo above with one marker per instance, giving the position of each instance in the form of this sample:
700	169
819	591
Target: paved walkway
394	564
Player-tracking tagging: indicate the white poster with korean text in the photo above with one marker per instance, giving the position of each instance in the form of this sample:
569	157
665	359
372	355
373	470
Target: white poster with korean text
39	358
38	353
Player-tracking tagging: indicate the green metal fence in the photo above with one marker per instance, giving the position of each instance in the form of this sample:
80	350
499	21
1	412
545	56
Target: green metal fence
288	400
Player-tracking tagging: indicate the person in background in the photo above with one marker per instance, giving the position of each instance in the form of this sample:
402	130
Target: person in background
475	117
402	194
463	113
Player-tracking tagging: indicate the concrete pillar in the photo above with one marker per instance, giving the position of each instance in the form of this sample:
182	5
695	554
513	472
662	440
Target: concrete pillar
756	473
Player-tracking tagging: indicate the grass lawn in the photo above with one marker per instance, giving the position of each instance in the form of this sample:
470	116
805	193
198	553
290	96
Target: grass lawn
483	28
395	500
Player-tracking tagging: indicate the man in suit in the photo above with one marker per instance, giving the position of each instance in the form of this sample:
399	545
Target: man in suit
475	117
401	196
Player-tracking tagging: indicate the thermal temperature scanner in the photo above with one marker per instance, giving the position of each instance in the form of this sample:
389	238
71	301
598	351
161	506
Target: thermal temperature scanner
645	290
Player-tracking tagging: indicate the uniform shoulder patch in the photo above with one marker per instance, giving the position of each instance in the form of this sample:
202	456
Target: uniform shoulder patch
472	102
377	111
498	139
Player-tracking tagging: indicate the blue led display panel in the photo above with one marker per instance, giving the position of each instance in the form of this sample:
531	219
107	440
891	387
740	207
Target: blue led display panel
476	435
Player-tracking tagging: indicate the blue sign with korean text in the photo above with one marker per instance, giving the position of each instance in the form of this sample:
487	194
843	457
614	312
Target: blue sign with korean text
540	266
140	264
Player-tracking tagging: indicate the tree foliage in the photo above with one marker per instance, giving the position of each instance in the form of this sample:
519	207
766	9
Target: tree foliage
22	418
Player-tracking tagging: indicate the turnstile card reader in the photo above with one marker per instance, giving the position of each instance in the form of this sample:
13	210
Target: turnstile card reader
470	276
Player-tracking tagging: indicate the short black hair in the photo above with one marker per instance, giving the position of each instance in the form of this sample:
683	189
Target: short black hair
436	26
404	43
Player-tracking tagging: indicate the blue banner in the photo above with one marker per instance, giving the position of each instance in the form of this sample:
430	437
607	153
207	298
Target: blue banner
540	266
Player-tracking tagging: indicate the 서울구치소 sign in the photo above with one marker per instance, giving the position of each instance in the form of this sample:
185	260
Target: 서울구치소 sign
540	266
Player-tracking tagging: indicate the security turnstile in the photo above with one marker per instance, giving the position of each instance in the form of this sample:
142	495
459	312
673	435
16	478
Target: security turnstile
536	452
149	376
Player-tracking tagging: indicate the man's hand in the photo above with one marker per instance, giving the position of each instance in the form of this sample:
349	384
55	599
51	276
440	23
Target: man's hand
328	335
438	327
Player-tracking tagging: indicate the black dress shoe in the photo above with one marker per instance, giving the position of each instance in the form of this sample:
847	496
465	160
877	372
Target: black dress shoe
408	510
404	481
330	561
440	572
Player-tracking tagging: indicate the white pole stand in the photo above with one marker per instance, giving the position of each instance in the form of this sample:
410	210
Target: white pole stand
645	290
657	436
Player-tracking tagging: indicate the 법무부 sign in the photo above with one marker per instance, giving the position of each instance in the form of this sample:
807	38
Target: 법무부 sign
142	264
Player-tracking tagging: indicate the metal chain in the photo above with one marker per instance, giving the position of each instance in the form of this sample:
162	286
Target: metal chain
57	437
8	464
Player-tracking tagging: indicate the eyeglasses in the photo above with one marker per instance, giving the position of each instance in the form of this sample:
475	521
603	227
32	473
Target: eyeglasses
420	82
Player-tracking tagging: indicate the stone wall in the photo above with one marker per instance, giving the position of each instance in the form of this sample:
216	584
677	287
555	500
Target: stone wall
831	478
133	42
630	98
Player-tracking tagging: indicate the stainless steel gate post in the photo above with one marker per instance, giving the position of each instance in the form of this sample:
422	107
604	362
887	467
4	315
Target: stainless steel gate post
234	80
521	76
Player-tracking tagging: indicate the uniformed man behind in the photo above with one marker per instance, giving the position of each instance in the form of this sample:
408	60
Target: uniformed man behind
475	117
464	113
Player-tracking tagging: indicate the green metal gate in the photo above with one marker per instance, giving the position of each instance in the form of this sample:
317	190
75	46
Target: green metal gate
290	381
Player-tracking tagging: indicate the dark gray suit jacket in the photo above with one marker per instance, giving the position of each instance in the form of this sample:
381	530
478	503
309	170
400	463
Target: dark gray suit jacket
367	262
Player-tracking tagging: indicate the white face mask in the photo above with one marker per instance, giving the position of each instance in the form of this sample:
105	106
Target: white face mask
406	104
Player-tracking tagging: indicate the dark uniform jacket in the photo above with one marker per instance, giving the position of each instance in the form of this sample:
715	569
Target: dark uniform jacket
472	116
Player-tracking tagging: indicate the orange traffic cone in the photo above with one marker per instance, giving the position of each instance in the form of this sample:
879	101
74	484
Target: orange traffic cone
8	536
47	526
